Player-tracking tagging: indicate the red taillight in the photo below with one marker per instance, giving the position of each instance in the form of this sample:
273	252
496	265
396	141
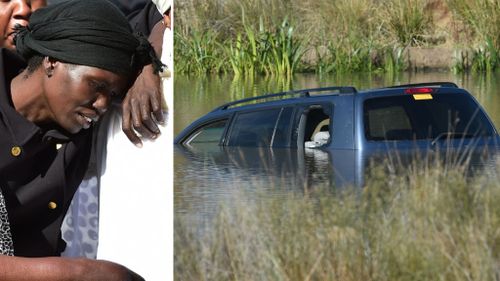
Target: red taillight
419	90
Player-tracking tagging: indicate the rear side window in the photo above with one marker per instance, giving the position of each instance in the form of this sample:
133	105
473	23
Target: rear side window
404	118
208	134
261	128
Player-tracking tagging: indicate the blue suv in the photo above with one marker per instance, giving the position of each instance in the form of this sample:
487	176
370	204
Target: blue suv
351	125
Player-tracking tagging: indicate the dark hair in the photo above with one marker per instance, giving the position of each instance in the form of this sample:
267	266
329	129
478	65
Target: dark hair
34	63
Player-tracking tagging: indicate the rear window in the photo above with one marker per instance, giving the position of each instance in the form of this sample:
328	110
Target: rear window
404	118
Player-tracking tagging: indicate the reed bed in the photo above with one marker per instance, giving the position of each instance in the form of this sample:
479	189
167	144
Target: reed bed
429	223
481	20
280	37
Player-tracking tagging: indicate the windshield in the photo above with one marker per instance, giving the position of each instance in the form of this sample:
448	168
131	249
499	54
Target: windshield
437	116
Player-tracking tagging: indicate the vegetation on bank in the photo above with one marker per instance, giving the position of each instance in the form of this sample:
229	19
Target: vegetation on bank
280	37
429	223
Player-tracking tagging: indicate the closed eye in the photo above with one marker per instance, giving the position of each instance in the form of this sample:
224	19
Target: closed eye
98	86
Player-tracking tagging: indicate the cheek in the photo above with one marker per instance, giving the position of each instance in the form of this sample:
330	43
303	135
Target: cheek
70	91
59	98
4	22
58	103
72	98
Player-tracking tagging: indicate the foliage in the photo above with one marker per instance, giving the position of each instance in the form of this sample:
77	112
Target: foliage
407	21
281	37
483	18
271	53
198	53
428	222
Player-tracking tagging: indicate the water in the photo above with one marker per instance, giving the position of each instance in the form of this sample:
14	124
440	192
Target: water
206	178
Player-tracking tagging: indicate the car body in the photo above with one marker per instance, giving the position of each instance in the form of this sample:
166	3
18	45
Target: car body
352	127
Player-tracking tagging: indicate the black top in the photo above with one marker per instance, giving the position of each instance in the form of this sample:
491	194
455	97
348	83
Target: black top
141	14
37	179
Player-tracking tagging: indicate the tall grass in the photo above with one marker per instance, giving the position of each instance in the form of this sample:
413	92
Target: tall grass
251	35
486	58
482	18
430	223
198	53
407	21
346	56
270	52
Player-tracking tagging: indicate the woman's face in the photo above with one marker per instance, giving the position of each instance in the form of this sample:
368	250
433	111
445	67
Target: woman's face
12	12
76	95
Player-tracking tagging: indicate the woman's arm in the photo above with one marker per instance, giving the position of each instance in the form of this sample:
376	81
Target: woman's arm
62	269
144	98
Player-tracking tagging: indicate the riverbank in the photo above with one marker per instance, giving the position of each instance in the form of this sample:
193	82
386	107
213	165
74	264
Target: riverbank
278	37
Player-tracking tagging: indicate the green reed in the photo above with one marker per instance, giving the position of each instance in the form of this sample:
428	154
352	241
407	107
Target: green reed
346	56
485	58
394	60
429	222
198	53
265	51
271	36
286	50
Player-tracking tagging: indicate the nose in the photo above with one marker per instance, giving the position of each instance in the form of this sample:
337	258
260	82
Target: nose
102	103
21	12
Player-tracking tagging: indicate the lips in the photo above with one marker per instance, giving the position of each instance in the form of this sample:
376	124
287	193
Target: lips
86	119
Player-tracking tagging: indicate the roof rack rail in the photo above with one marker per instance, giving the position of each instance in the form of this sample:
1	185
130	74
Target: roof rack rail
441	84
300	93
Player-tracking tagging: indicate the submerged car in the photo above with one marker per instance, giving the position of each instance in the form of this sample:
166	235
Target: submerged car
352	126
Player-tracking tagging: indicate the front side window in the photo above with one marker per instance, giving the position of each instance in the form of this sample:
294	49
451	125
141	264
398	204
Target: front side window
443	115
208	134
261	128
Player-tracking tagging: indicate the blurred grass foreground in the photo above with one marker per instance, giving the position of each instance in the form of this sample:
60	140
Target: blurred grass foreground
429	222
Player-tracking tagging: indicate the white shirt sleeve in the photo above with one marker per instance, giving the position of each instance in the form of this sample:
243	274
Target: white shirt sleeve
163	5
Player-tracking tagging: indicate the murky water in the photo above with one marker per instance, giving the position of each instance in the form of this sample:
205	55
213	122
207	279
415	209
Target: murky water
207	177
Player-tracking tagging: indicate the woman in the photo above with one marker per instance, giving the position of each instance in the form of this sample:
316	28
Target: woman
12	13
80	55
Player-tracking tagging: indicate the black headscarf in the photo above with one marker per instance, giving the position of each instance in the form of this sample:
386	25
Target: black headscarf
86	32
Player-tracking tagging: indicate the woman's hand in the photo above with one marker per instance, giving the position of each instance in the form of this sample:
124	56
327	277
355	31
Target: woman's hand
142	107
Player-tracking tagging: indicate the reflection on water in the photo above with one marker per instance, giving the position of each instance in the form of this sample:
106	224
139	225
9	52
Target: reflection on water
204	178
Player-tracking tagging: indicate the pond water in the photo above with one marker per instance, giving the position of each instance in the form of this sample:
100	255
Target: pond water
208	177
